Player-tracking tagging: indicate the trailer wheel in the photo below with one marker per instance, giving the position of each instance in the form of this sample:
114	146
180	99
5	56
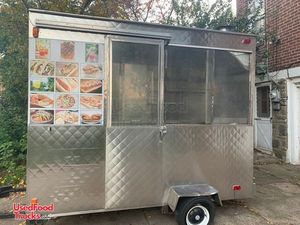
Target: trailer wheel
195	211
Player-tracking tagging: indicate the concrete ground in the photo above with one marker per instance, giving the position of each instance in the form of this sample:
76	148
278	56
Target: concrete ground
277	202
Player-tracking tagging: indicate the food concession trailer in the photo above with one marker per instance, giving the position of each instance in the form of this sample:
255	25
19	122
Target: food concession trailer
126	115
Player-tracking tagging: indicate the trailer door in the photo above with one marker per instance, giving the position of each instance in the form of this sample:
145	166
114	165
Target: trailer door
133	153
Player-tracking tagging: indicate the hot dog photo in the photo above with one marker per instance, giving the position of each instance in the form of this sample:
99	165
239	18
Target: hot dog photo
66	84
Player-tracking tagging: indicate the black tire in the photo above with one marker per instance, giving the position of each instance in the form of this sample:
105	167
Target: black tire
197	211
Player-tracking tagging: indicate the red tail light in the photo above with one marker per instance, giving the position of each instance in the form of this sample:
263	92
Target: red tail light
246	41
236	187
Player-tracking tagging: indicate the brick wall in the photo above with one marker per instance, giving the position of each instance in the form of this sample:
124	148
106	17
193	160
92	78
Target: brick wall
241	6
283	22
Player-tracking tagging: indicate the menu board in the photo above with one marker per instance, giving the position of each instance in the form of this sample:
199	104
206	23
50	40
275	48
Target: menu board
65	83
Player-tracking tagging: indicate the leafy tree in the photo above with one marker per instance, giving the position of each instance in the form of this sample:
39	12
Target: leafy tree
13	78
14	73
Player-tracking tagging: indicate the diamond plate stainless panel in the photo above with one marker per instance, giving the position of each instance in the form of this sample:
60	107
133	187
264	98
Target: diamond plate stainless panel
133	167
65	166
219	155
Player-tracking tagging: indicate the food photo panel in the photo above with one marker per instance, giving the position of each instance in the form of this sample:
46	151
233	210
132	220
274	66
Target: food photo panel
41	100
91	117
90	86
91	52
42	49
67	69
66	117
91	101
66	101
67	84
41	116
91	70
42	68
67	50
42	84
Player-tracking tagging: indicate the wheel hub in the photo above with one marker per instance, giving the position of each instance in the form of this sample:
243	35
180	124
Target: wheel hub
197	215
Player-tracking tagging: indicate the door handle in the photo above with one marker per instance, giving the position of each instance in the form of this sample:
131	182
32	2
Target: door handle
162	131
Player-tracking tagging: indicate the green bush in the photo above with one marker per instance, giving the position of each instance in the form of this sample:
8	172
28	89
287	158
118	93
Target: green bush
12	162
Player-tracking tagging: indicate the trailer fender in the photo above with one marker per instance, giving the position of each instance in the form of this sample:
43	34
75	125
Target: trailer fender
175	193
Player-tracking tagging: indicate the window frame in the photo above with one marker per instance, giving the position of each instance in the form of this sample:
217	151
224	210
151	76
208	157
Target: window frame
136	40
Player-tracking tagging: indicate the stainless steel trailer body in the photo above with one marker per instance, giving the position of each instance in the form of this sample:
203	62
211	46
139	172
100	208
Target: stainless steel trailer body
177	110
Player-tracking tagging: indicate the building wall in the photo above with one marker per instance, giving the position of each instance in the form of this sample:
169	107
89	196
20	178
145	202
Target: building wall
282	46
283	23
283	32
283	29
241	6
280	125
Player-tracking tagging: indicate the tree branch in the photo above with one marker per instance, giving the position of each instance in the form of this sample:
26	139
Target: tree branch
25	3
85	5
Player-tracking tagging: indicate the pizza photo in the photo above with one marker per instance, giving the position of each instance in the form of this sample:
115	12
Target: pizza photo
65	101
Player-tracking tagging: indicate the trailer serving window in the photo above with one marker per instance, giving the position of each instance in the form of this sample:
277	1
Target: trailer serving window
185	85
135	75
230	87
206	86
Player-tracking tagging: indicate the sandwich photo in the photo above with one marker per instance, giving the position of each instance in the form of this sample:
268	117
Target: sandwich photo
66	117
90	117
42	68
41	100
91	70
67	69
91	101
90	86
